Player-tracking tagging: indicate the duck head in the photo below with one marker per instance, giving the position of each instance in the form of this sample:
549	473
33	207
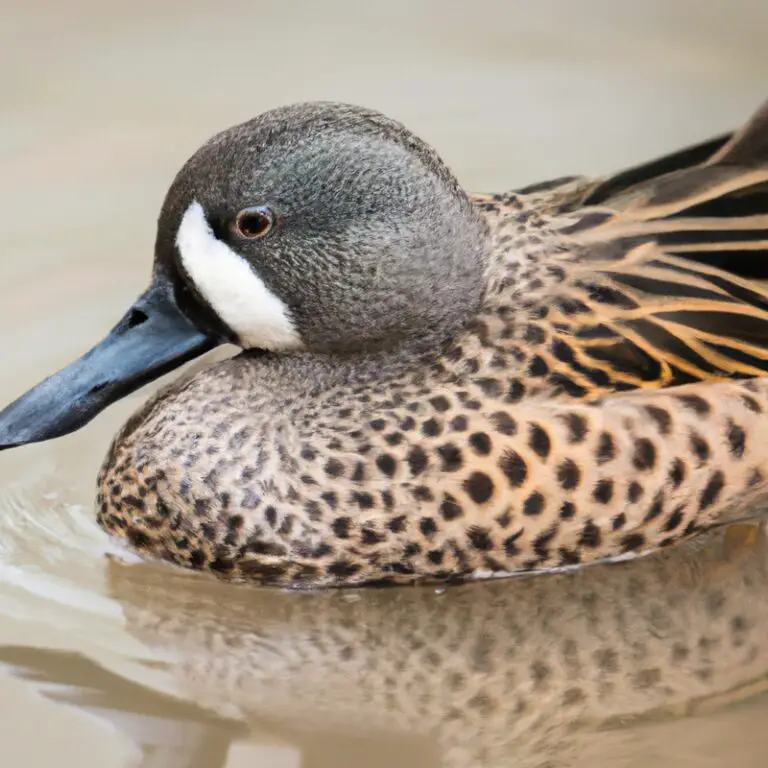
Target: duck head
320	227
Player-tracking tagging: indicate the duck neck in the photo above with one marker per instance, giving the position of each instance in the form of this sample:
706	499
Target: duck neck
310	374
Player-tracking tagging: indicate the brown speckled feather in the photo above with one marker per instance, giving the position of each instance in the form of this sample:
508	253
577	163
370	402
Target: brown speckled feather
604	402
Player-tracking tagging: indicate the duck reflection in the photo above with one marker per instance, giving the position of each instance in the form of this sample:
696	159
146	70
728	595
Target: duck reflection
520	672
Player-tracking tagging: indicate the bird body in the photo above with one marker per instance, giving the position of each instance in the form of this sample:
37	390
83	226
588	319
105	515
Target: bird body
434	386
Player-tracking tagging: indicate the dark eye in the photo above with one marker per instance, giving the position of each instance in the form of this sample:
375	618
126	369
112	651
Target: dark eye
255	222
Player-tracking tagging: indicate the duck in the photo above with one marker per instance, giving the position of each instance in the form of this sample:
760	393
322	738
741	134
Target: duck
432	385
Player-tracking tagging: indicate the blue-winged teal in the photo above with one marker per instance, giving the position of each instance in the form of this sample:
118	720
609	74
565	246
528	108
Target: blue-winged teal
434	385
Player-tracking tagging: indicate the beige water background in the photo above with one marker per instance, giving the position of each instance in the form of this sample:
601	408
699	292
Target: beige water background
108	664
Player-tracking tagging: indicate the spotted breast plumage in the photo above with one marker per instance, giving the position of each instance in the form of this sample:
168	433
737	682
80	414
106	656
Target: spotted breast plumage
434	385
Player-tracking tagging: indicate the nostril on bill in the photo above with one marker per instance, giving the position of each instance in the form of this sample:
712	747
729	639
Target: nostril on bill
136	317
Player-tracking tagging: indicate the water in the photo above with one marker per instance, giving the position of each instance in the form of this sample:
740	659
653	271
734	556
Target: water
105	662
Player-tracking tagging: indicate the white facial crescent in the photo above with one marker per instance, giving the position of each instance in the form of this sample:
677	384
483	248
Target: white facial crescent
232	289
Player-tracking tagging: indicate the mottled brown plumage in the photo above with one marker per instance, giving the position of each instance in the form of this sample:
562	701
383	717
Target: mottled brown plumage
542	379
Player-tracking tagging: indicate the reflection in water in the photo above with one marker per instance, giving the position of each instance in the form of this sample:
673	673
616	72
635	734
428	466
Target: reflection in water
523	672
169	733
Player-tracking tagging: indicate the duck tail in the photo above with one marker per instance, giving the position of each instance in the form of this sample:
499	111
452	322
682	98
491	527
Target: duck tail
707	204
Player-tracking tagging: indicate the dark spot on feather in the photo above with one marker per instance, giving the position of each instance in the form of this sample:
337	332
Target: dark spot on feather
539	441
697	404
363	499
397	524
370	537
422	493
459	423
571	306
417	460
661	417
700	447
644	457
137	539
387	464
562	351
568	475
516	392
197	559
606	448
567	510
752	404
479	487
564	384
677	473
577	427
736	440
634	492
412	549
510	544
480	538
711	493
514	468
435	556
451	457
343	569
431	428
603	491
534	334
590	535
440	403
604	294
534	504
691	529
450	509
656	508
674	519
504	423
268	548
334	468
632	542
340	527
481	443
490	387
308	453
538	367
569	557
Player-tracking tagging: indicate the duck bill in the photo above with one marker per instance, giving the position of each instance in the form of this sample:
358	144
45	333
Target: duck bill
153	337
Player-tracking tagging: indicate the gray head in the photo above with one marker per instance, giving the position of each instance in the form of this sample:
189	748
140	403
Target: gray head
327	227
319	226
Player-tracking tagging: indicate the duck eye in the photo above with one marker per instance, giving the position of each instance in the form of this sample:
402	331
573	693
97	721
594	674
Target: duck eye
255	222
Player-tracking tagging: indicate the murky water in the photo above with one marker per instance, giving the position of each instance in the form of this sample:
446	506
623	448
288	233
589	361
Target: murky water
108	663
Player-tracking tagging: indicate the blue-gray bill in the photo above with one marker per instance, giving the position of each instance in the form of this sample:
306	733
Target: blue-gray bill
153	338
